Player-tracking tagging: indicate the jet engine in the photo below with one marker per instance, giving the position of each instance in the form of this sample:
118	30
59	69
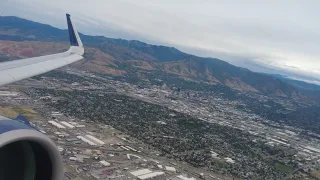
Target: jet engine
26	153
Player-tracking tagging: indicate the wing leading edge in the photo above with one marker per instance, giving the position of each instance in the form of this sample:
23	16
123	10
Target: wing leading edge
16	70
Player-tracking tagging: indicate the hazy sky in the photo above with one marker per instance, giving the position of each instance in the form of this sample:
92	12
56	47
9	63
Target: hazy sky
271	36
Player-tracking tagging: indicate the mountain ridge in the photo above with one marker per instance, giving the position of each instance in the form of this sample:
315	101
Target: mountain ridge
119	57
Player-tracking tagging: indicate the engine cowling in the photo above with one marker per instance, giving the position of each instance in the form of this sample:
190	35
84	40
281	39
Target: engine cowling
27	154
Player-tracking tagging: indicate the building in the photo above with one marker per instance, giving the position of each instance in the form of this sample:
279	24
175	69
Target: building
124	148
133	156
313	149
8	93
67	124
56	124
229	160
182	177
105	163
96	140
132	149
145	174
141	172
172	169
153	176
86	140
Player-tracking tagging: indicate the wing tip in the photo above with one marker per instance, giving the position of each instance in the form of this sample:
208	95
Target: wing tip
73	33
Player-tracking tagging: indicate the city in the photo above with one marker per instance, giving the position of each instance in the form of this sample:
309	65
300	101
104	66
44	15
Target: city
111	129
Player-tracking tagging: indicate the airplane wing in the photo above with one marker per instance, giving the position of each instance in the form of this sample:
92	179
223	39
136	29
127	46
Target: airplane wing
12	71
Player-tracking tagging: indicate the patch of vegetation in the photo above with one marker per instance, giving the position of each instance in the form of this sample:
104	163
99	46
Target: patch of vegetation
282	167
13	111
315	174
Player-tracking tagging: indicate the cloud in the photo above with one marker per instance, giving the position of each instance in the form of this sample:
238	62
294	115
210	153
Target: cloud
278	36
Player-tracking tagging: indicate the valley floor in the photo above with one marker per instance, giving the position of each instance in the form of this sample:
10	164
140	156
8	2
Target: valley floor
200	134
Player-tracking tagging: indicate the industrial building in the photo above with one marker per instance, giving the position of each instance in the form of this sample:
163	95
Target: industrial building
153	175
77	125
132	149
145	174
313	149
86	140
182	177
56	114
229	160
8	93
172	169
141	172
96	140
125	148
56	124
67	124
133	156
104	163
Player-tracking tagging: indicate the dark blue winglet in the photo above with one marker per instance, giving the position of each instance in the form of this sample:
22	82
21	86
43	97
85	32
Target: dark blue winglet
72	35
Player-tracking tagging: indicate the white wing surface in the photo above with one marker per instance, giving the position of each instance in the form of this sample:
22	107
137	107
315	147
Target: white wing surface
12	71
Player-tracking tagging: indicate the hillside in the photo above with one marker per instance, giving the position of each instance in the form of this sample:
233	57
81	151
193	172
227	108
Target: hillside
135	60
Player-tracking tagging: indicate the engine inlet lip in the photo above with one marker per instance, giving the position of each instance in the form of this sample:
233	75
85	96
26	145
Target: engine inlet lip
37	137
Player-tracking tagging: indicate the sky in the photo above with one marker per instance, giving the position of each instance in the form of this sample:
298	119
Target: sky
279	37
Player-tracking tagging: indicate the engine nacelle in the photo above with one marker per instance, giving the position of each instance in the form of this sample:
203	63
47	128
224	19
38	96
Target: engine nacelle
27	154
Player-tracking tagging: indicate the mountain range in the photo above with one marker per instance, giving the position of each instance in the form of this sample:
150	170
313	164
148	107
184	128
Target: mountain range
141	62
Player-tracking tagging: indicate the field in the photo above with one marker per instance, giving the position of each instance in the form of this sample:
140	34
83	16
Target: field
13	111
315	174
282	167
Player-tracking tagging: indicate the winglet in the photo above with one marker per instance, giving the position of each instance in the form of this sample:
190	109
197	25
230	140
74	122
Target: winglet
73	33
